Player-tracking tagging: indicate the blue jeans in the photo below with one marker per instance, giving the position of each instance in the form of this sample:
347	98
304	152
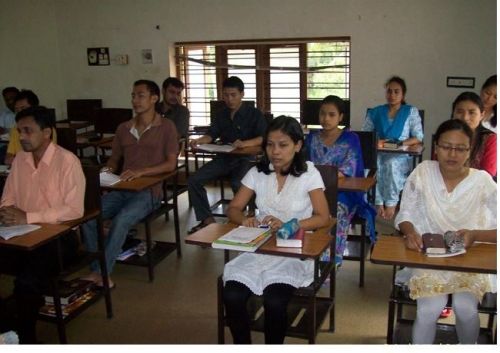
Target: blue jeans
221	166
126	209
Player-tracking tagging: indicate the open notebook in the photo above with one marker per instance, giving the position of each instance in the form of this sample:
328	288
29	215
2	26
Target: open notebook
108	179
7	232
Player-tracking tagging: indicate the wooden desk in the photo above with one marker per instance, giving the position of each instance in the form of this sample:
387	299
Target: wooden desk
315	243
36	238
74	124
414	151
245	151
356	184
154	254
313	307
391	250
53	232
141	183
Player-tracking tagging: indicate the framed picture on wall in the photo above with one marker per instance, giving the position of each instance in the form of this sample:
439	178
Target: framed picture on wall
98	56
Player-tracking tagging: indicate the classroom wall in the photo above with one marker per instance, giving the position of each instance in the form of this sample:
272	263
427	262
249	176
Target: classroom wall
423	41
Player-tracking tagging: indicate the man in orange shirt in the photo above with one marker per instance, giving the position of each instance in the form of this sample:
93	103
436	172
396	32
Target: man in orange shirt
46	185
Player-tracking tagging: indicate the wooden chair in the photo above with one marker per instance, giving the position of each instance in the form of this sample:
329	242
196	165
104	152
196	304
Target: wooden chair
306	310
83	258
356	247
399	322
66	138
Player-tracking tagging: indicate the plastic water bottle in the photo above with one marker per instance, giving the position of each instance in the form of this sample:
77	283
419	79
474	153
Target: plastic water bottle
288	229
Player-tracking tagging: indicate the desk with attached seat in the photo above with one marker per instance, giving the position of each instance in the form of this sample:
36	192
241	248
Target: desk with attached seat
391	250
162	249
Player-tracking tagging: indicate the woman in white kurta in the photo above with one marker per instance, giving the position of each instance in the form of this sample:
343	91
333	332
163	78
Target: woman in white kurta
285	187
446	195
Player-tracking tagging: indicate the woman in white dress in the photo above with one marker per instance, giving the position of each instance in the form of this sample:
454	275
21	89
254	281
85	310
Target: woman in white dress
286	187
447	195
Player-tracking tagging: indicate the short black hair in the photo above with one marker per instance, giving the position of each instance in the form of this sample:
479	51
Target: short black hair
336	101
234	82
10	90
29	95
40	114
454	125
151	85
291	127
174	81
490	81
467	96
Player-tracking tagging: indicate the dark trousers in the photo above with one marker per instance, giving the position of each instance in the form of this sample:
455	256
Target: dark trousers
276	297
33	271
220	166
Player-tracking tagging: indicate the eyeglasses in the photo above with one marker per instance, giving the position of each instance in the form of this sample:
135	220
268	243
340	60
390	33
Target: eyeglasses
460	150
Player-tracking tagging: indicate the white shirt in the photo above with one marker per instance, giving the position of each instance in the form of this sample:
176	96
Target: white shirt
257	271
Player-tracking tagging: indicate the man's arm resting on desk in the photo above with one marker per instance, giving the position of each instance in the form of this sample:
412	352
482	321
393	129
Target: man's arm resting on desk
256	141
169	165
200	141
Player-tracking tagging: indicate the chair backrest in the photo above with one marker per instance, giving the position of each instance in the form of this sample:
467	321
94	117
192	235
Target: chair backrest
368	141
421	112
216	106
66	138
329	174
309	114
83	109
92	187
109	118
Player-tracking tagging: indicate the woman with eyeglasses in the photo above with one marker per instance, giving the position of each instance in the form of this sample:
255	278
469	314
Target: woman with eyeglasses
469	108
447	195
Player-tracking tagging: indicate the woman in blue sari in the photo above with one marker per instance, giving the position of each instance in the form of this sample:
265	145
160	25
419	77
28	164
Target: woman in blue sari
341	148
398	121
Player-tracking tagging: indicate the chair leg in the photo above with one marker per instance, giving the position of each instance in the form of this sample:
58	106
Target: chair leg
390	322
104	270
311	320
362	255
177	227
220	311
148	249
61	328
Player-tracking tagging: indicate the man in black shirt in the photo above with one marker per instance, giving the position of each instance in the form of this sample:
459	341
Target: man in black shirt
171	107
238	124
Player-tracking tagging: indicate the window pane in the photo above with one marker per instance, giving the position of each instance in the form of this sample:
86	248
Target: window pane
330	65
244	57
285	84
200	84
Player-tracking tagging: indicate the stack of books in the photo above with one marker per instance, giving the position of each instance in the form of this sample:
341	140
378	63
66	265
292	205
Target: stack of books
243	239
74	293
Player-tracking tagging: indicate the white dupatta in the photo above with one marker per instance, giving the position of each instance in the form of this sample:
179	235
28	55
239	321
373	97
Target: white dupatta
431	208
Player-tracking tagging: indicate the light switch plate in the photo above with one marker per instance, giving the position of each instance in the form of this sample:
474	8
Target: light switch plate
461	82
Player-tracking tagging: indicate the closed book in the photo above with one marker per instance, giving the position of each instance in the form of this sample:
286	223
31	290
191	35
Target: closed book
392	144
434	243
70	291
243	239
295	241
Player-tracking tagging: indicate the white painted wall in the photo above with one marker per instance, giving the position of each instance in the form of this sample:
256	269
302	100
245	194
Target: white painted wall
423	41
